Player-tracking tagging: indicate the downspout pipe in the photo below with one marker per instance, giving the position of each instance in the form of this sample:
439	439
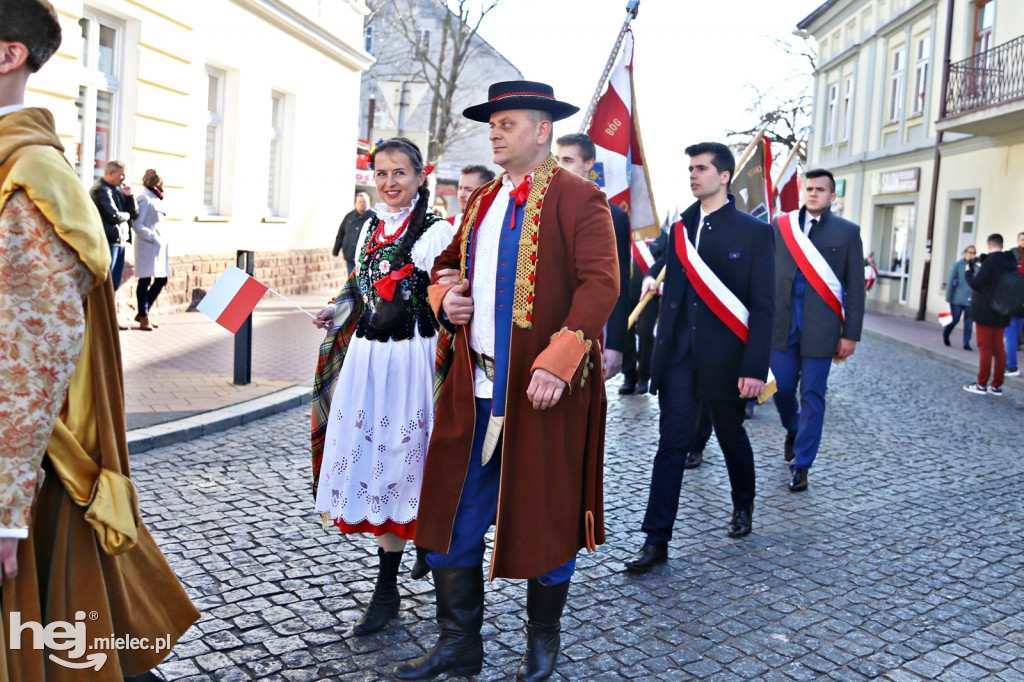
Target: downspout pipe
936	164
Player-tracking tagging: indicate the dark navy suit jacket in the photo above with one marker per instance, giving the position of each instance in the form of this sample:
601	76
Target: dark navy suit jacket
740	250
619	319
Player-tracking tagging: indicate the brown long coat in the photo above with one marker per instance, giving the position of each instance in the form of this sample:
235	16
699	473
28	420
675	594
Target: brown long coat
550	502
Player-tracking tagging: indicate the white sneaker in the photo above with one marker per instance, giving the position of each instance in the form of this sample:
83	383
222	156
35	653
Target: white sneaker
975	388
995	390
1011	373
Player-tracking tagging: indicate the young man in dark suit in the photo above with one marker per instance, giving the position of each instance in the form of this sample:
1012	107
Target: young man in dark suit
699	352
809	333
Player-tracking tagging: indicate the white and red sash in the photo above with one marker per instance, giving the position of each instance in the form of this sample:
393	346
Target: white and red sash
642	256
811	263
722	302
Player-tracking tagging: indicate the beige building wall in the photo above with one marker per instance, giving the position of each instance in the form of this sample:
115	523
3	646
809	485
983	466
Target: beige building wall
305	53
880	139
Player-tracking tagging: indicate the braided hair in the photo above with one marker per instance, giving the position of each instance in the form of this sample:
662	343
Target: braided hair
417	222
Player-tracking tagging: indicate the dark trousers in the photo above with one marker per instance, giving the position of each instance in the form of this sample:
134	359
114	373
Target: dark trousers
680	405
957	311
478	509
703	433
636	362
146	292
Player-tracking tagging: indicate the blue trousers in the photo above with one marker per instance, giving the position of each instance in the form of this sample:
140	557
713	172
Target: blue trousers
116	265
957	311
1012	337
478	509
805	419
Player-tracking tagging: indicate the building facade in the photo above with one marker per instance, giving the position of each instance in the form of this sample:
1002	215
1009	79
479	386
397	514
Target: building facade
396	62
245	108
919	113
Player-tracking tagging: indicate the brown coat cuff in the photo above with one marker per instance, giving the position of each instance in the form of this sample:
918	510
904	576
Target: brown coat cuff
567	354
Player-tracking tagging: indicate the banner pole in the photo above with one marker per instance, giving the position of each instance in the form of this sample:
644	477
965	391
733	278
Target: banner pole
632	8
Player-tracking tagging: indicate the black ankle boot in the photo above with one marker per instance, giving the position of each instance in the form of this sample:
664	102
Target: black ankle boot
384	603
543	630
460	613
420	569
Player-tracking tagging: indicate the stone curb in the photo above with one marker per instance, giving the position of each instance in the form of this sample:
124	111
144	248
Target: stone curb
969	363
158	435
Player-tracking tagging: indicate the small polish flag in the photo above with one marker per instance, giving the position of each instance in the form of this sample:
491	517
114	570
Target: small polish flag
642	255
232	298
945	319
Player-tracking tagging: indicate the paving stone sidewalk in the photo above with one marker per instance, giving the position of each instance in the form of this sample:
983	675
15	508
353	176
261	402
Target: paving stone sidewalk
902	561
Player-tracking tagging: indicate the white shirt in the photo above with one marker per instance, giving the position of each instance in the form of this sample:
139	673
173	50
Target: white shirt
700	227
10	109
484	262
807	222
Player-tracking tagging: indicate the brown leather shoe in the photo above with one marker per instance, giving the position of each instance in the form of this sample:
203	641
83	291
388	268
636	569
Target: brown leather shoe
144	324
139	318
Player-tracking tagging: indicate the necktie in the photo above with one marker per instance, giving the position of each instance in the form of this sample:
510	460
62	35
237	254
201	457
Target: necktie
810	226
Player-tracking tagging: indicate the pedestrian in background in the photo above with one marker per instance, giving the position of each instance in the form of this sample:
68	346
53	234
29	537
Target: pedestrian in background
1012	334
152	262
982	275
382	410
639	343
117	207
349	230
473	175
958	295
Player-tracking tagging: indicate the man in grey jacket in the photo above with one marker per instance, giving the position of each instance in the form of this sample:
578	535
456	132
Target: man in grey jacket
819	312
114	200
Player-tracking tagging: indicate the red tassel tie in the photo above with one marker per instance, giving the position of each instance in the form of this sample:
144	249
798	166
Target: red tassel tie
385	286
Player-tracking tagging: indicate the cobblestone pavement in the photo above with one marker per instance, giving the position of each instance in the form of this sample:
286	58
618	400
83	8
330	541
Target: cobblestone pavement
902	561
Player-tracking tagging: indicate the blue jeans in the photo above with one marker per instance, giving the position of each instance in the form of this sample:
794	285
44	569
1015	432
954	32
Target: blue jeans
804	420
958	310
1012	337
116	265
478	509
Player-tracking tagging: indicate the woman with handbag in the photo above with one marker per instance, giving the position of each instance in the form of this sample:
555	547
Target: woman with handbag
378	426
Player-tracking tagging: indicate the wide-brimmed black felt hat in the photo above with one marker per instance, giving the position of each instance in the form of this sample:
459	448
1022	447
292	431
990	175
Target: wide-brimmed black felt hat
520	95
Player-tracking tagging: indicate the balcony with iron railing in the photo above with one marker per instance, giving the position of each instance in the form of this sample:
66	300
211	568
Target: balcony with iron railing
985	92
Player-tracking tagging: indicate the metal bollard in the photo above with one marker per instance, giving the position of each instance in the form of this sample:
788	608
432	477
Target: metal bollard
243	339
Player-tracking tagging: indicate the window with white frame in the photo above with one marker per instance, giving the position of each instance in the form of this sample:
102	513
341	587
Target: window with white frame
832	112
368	39
423	35
277	103
98	95
214	140
922	51
896	85
847	108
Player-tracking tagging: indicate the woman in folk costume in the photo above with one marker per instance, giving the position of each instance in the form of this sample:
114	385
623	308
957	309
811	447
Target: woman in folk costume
369	446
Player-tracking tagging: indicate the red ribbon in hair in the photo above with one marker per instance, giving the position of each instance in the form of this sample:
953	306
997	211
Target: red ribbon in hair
428	169
385	286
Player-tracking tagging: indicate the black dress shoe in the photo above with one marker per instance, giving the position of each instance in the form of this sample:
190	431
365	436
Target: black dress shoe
748	411
968	347
627	388
945	339
647	558
694	459
788	447
642	387
799	480
742	521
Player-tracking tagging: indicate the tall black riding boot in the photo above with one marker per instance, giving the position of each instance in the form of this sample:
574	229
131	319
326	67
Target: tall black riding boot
460	614
543	630
384	603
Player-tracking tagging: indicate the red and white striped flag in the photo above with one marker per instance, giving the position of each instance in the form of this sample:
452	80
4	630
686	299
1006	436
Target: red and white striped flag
642	255
787	191
615	130
232	298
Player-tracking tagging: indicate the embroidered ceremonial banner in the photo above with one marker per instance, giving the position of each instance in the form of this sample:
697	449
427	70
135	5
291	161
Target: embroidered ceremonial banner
752	183
615	129
642	256
232	298
811	263
787	191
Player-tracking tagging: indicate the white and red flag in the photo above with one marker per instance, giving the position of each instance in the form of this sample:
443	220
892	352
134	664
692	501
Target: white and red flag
615	130
642	255
787	191
232	298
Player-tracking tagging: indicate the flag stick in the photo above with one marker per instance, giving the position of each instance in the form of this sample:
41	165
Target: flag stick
632	8
661	275
292	302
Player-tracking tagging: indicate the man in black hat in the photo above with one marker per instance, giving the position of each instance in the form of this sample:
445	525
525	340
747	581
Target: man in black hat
526	287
